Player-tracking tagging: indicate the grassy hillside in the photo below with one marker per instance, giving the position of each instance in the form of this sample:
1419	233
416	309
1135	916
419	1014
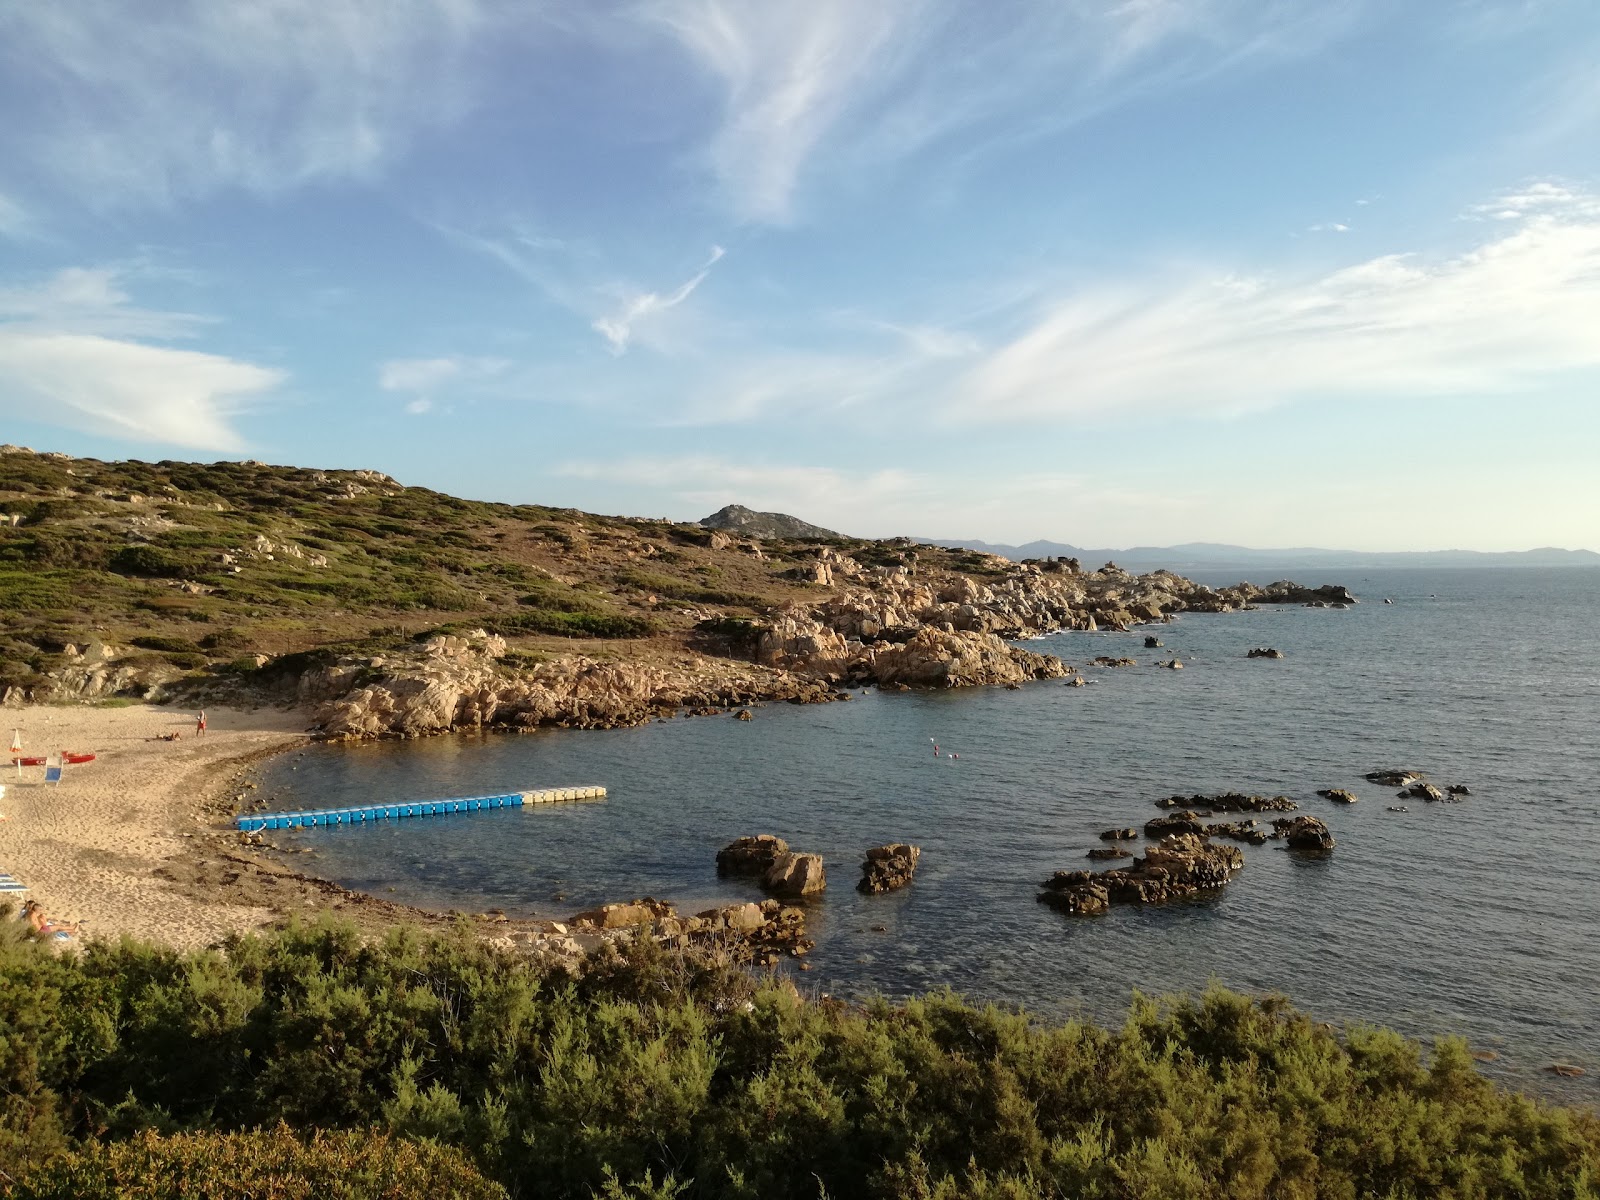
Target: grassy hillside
206	566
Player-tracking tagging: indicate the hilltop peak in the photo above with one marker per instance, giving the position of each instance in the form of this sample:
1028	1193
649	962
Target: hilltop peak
738	518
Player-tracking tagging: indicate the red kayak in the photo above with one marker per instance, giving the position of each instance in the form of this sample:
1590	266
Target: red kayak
38	761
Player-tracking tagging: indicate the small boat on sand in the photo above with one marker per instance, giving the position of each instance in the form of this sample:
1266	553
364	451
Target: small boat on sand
39	760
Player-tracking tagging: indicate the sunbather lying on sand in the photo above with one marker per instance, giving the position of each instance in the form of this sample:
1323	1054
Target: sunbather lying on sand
43	925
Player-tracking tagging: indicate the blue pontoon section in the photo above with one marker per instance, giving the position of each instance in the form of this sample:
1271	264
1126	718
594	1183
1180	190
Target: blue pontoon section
251	822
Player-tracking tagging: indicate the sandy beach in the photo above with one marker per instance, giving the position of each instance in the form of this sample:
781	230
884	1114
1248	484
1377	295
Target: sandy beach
117	843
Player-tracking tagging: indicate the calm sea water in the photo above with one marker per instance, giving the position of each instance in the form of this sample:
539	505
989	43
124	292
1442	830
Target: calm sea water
1480	918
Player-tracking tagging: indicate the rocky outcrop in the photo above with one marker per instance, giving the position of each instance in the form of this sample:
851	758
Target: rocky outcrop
1239	831
1303	833
1230	802
1152	643
1394	779
1178	822
1421	790
795	876
1338	795
1459	789
1119	835
888	867
749	932
1180	865
1108	852
751	855
1107	661
459	683
1264	652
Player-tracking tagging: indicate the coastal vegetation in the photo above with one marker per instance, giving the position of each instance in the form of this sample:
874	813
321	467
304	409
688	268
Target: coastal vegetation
332	1065
206	567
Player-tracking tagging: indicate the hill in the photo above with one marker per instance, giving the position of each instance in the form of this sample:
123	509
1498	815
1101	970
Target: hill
393	610
736	518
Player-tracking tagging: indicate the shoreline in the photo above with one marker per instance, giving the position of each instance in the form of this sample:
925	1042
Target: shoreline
140	841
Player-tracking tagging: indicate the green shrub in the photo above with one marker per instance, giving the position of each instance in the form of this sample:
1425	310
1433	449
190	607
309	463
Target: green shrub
353	1165
152	562
654	1075
173	645
571	624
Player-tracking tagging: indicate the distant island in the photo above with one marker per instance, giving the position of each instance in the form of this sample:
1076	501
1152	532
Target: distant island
1217	556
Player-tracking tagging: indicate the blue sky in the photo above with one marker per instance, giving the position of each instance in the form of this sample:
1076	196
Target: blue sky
1104	271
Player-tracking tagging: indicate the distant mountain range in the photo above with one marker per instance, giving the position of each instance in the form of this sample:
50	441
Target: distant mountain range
1215	556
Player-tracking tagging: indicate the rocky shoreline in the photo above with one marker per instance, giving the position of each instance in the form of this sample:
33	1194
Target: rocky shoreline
884	627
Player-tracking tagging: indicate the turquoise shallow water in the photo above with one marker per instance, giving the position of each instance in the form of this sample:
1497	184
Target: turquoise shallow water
1480	918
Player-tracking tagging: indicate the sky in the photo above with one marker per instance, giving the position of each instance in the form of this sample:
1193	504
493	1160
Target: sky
1109	272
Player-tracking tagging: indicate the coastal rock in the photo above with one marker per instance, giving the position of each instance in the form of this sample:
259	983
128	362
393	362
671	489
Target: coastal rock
795	875
1239	831
1231	802
751	855
1304	833
1172	664
1395	779
1338	795
1459	789
1177	823
1105	661
1180	865
1108	852
1421	790
1119	835
1264	652
625	916
1152	643
1077	681
888	867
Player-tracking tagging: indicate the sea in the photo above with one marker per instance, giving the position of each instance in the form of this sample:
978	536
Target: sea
1479	918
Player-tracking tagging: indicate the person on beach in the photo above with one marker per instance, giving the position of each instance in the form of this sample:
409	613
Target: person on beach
43	925
200	722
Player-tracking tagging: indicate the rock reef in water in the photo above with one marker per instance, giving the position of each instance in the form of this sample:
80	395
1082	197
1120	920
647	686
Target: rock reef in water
1180	865
751	855
1231	802
795	876
889	867
1304	833
1338	795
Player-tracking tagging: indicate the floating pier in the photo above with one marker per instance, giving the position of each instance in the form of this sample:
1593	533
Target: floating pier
251	822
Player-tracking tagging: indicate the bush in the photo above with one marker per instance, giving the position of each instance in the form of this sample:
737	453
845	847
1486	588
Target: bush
655	1074
353	1165
571	624
172	645
151	562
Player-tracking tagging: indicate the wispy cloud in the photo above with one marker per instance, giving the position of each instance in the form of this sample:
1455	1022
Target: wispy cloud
424	378
14	219
869	84
68	356
193	95
617	328
1520	307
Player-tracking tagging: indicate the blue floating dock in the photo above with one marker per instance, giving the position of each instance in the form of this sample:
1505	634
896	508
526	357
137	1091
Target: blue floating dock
362	813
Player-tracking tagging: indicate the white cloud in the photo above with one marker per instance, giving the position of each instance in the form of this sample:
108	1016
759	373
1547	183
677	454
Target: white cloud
1329	227
1514	310
191	95
425	377
68	357
870	83
617	329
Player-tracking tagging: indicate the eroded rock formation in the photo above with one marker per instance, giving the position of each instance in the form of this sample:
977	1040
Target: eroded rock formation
888	867
1179	865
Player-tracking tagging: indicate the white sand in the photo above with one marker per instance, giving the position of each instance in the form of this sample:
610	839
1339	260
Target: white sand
88	847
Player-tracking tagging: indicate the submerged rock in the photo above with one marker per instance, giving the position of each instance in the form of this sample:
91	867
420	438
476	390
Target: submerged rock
1152	643
1338	795
1264	652
1105	661
1107	852
1119	835
1239	831
1178	822
1396	779
888	867
1421	791
1459	789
